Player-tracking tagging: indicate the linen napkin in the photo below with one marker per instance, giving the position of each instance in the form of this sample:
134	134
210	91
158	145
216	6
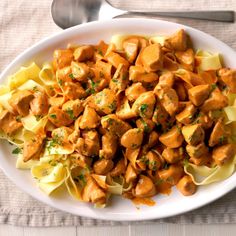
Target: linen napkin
24	22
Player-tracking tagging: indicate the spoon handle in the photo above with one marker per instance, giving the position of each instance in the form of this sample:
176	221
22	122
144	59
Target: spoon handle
222	16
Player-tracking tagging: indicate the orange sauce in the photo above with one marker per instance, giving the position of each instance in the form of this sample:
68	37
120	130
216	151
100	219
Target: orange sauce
143	201
164	188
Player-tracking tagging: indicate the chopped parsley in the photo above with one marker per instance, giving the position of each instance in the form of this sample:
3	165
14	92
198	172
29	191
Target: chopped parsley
60	82
70	113
143	108
71	76
17	150
38	117
222	139
100	52
213	87
112	106
53	116
18	118
146	127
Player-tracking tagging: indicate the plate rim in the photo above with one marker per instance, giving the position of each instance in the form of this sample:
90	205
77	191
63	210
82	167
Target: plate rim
114	217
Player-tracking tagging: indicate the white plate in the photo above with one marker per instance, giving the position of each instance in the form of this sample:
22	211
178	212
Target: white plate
119	209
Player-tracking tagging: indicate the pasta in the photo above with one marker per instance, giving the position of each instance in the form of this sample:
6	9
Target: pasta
134	117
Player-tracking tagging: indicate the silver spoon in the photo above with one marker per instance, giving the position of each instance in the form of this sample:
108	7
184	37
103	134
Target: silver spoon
67	13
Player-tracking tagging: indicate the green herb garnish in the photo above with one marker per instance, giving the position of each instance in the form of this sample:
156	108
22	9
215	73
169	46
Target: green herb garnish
17	150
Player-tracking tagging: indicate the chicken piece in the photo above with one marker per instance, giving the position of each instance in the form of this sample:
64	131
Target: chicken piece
160	116
131	47
186	186
115	59
173	155
186	116
83	53
115	125
74	91
177	41
145	124
144	105
92	192
193	134
32	148
152	57
173	138
90	119
132	138
181	91
204	120
119	169
109	146
8	123
166	80
197	151
104	101
145	187
223	154
73	108
168	98
20	102
39	105
218	134
62	58
186	58
228	76
58	117
138	74
104	69
152	139
103	166
64	75
74	136
172	175
134	91
79	71
89	144
198	94
201	161
120	80
154	162
130	174
61	135
216	101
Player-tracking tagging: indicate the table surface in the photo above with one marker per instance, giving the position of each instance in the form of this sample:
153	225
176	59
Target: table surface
137	230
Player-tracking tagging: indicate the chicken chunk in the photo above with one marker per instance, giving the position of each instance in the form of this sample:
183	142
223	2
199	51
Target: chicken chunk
152	57
134	91
58	117
166	80
198	94
173	155
218	134
103	166
130	174
186	58
61	135
177	41
115	59
145	187
144	105
109	146
115	125
186	116
119	169
204	120
228	76
73	108
83	53
160	116
32	148
20	102
40	104
145	124
154	162
172	175
168	98
132	138
138	74
89	144
223	154
90	119
173	138
131	47
8	123
193	134
92	192
74	91
216	101
197	151
62	58
186	186
79	71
